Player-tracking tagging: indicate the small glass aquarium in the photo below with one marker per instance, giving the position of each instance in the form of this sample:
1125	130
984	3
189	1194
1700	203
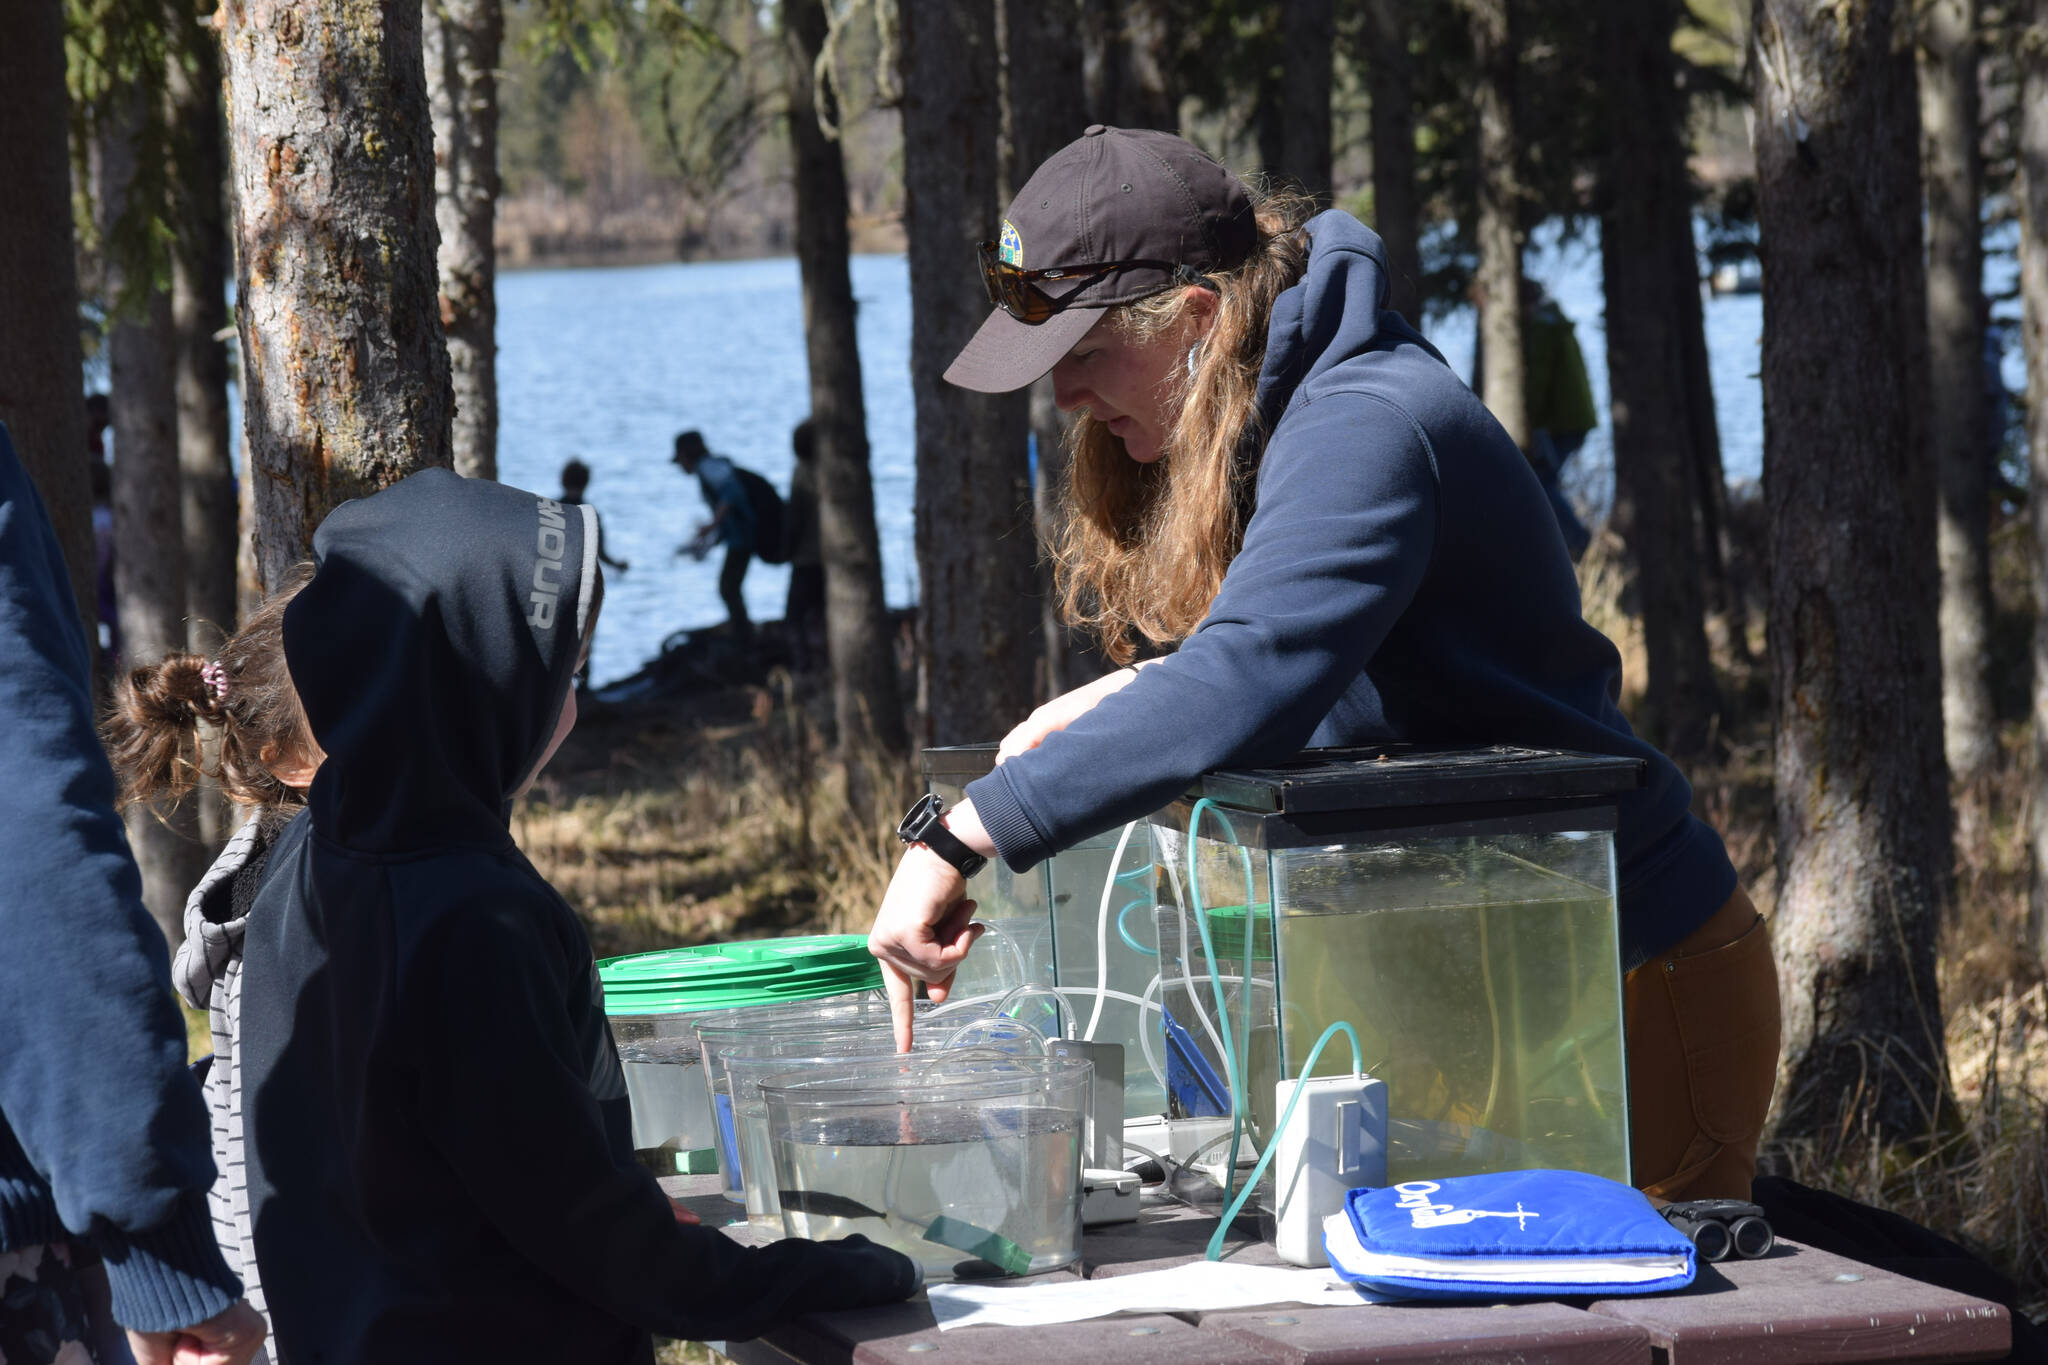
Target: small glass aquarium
1017	950
1456	908
1081	923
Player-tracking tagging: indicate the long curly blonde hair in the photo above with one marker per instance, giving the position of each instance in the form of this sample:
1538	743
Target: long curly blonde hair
1139	550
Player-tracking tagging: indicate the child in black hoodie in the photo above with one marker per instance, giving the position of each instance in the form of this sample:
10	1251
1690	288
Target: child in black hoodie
440	1154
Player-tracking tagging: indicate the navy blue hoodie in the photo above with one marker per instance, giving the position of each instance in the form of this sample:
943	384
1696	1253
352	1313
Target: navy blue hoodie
440	1150
103	1134
1402	578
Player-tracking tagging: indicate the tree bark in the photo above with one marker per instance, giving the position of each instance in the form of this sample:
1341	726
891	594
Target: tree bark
978	624
1131	78
42	384
1709	474
1643	201
1956	316
345	375
1309	32
199	280
462	41
1861	788
149	537
866	698
1499	224
1044	108
1392	96
2032	188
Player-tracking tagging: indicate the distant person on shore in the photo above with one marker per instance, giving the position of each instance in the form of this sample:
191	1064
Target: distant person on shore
1559	401
746	518
575	481
804	614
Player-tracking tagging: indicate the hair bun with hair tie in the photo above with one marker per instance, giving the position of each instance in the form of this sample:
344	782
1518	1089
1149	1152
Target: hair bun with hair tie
215	675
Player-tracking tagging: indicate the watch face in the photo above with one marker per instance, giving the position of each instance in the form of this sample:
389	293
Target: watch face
919	818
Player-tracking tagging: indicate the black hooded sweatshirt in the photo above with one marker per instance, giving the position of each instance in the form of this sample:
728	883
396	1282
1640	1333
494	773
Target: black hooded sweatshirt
439	1146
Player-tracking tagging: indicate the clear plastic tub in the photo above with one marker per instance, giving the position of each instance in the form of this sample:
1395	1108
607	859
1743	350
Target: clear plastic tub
863	1026
747	1064
970	1167
654	1001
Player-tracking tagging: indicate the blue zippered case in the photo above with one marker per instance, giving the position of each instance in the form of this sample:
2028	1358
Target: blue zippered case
1511	1234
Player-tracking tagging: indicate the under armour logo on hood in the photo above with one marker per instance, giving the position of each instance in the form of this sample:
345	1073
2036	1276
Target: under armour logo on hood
551	549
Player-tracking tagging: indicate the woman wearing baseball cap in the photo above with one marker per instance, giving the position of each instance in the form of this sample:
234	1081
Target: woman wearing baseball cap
1276	478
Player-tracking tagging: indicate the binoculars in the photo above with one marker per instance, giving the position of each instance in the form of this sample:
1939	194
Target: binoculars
1720	1228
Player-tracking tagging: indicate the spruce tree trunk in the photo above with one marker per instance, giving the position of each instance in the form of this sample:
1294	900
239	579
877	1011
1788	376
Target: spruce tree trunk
1045	108
1709	474
978	622
2032	188
1130	68
1500	228
463	38
42	386
149	535
1861	788
866	698
1391	92
345	375
199	279
1308	29
1956	314
1643	201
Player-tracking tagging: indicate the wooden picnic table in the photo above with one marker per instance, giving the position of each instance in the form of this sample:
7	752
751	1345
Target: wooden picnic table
1796	1305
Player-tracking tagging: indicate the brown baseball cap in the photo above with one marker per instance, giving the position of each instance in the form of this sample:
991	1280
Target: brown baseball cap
1157	206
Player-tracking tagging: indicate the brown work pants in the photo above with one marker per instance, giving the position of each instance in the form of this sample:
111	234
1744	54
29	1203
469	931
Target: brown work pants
1702	1020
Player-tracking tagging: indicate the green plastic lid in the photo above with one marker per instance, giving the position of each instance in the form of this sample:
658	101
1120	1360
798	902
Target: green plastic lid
1226	932
715	976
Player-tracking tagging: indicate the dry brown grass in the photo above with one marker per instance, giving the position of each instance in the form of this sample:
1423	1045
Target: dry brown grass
663	831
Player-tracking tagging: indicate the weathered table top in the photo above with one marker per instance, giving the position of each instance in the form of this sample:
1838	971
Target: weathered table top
1796	1305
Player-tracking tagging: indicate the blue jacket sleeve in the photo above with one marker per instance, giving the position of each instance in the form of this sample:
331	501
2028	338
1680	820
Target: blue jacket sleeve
1334	553
109	1125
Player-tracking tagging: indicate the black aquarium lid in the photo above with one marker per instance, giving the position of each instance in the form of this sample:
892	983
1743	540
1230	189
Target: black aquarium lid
1399	775
959	763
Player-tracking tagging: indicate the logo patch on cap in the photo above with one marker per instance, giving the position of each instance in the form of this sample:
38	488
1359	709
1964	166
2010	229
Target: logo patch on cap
1010	247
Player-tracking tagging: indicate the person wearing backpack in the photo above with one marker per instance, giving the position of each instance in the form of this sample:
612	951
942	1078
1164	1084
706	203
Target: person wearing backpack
746	517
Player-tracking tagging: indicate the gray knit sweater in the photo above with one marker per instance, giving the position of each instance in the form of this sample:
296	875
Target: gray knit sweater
208	974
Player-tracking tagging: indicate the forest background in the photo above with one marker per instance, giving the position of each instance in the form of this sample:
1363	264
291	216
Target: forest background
1851	661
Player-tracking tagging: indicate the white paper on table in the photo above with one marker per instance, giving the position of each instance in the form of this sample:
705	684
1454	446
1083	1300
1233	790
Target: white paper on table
1206	1286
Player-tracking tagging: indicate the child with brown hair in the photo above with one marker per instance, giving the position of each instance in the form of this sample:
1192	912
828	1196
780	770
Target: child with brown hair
265	758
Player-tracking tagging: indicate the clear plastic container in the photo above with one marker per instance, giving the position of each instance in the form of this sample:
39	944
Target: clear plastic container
748	1064
970	1167
859	1027
663	1068
654	1000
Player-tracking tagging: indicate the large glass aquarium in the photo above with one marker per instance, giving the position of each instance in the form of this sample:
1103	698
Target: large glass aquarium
1456	908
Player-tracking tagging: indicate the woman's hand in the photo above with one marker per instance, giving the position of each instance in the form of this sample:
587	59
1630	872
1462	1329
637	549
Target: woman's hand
1063	711
924	928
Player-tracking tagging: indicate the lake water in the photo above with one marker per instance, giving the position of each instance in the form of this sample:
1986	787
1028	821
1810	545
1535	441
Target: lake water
609	364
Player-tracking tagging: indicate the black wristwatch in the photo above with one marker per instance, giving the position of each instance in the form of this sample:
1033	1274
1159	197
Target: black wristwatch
922	826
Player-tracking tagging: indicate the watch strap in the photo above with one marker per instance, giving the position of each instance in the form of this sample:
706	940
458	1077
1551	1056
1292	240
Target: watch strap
924	825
